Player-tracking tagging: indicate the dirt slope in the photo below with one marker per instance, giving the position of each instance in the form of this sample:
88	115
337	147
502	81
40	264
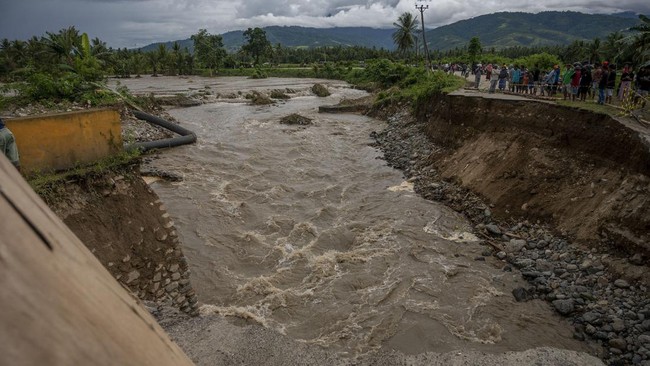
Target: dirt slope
585	173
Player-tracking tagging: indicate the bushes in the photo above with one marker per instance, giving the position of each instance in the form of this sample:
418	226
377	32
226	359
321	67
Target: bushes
402	83
259	74
543	61
379	74
66	87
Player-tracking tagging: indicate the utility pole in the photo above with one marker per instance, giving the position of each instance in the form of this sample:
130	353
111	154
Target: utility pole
422	8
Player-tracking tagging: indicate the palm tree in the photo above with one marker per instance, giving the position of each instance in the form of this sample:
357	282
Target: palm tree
63	46
404	35
612	47
152	58
639	45
163	57
593	50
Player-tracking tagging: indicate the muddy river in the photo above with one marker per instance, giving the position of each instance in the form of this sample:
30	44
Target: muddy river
307	231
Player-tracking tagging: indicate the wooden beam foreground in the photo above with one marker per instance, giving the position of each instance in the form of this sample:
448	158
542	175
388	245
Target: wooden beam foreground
58	305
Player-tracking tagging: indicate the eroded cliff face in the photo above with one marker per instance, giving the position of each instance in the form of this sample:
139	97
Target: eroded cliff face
124	224
585	173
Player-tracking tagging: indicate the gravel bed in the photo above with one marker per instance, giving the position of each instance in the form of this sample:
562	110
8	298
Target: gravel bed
605	309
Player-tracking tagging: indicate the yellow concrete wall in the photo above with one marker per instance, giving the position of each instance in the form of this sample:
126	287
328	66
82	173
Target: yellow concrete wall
62	140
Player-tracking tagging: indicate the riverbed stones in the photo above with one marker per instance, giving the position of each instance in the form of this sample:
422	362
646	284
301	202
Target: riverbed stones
521	294
620	283
132	276
493	229
171	287
295	119
515	245
576	281
320	90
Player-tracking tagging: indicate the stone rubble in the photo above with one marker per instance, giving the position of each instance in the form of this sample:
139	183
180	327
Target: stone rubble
610	311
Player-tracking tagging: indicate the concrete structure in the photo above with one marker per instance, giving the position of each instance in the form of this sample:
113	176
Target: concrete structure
59	305
63	140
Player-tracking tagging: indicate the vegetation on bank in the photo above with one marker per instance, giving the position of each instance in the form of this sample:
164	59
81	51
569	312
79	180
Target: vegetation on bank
67	67
48	185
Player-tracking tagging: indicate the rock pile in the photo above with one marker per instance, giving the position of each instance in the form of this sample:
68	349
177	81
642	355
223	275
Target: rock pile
605	307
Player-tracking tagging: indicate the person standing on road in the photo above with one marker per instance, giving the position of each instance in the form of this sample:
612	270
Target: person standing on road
585	83
8	145
642	82
575	82
553	80
477	75
494	80
611	83
602	84
627	76
503	77
516	79
566	80
596	75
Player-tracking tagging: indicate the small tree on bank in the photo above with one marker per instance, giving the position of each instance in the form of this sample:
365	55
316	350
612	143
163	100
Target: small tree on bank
208	49
257	46
474	49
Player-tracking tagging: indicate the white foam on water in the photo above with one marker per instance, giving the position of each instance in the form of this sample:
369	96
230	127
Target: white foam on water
403	187
458	236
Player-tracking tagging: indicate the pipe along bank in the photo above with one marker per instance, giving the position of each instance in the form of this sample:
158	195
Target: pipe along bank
186	136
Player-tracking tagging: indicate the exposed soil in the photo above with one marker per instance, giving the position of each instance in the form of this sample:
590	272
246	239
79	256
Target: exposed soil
584	173
559	194
122	221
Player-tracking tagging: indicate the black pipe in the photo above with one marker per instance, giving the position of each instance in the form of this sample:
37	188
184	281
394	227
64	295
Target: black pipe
187	136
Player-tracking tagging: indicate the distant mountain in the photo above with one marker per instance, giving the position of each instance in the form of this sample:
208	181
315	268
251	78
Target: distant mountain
293	36
498	30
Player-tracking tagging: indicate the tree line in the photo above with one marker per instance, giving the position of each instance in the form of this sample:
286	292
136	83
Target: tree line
68	65
618	47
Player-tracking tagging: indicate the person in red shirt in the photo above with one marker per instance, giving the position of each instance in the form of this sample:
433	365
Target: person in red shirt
575	82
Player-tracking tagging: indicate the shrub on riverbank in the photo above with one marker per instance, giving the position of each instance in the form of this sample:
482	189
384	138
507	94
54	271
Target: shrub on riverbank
49	185
401	83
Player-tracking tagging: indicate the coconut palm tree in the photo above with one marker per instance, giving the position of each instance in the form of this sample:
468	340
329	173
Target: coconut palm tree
611	50
593	50
404	34
640	42
63	46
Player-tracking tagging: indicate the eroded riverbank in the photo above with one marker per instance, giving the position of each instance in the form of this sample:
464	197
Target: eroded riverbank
304	230
547	195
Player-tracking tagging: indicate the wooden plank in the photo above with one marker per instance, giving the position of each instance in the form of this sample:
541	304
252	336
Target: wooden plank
59	305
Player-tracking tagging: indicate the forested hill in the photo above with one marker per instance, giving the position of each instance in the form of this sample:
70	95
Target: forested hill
294	36
508	29
499	30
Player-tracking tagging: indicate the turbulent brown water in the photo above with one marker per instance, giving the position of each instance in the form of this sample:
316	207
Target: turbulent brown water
305	230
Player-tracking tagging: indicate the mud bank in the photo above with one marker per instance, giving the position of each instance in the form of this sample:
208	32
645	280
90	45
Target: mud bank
214	340
584	173
548	207
124	224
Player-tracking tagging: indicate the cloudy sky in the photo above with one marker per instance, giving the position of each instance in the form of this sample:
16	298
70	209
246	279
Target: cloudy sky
136	23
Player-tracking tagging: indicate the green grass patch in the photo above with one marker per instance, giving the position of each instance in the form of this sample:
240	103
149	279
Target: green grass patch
592	106
48	186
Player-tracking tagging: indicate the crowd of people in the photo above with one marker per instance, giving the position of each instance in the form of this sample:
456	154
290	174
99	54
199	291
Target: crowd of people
577	81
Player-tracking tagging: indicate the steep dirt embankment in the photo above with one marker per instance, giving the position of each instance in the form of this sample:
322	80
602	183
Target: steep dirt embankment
585	173
124	224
